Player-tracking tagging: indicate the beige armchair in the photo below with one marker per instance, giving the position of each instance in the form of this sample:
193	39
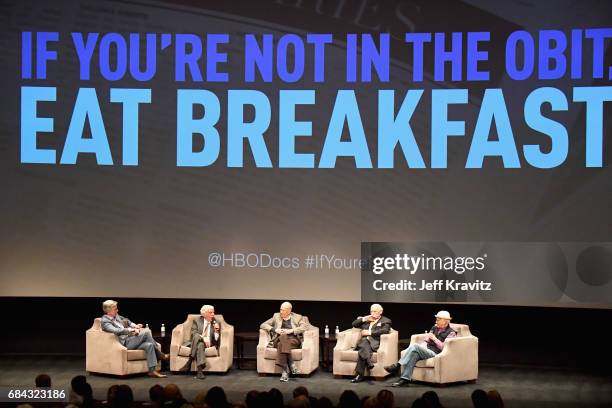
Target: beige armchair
217	361
305	358
104	354
345	357
458	360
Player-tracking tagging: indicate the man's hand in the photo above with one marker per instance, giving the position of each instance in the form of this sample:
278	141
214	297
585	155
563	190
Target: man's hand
279	331
431	336
139	326
365	332
371	318
207	344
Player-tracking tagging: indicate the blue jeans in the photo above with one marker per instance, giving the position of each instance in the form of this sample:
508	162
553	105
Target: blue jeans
416	352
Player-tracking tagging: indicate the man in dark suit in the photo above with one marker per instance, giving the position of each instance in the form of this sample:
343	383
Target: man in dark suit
372	327
205	333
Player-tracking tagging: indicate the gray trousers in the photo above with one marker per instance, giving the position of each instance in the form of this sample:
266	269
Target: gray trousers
144	341
415	353
198	351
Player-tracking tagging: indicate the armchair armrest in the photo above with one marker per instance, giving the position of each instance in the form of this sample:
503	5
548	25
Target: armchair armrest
226	351
344	340
311	338
310	350
463	348
264	339
387	351
103	348
177	339
458	360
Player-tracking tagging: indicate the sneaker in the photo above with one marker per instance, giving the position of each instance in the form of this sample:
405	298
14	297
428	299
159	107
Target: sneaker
401	383
294	369
284	376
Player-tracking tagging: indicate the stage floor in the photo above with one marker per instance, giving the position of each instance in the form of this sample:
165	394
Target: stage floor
519	386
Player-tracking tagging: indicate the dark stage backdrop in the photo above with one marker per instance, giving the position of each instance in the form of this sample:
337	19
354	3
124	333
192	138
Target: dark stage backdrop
160	231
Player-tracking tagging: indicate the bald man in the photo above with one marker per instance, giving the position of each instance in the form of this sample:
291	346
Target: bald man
286	330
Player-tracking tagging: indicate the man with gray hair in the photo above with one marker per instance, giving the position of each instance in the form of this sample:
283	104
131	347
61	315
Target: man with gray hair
205	333
372	327
286	330
132	336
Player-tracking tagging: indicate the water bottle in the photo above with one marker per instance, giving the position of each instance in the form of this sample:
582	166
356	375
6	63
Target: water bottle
163	330
326	331
337	331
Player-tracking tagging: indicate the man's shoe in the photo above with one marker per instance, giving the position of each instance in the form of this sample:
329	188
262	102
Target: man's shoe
284	376
187	365
393	368
294	369
401	383
359	378
200	375
156	374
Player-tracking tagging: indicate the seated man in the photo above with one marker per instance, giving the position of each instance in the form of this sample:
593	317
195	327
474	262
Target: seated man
132	336
372	327
204	334
286	331
433	345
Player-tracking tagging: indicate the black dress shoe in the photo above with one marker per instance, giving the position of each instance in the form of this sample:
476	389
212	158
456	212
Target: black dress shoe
359	378
393	368
187	365
401	383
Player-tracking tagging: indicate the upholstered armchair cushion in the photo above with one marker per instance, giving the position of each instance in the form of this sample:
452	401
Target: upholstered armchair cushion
220	360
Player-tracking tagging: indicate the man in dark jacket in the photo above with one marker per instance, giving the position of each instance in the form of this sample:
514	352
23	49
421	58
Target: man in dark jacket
372	327
205	333
434	343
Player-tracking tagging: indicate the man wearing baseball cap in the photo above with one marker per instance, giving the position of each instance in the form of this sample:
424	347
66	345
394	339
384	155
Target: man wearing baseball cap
433	345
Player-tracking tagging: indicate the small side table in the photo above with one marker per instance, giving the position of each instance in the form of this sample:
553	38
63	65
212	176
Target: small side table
327	345
241	338
164	341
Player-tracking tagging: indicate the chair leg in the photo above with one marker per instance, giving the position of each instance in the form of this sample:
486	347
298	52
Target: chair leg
338	376
262	374
471	381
